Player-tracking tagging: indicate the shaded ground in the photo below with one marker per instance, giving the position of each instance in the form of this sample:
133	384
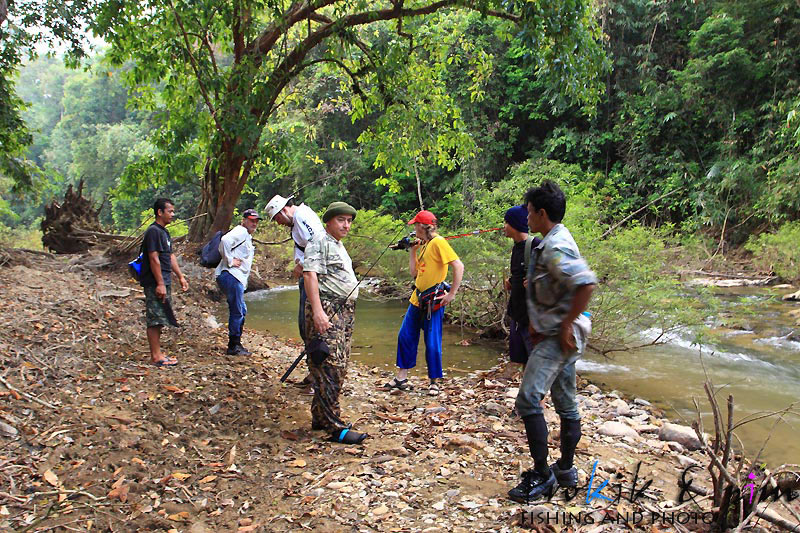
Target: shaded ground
95	438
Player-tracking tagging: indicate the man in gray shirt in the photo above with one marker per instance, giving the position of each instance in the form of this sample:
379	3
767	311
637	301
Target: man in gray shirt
560	285
237	251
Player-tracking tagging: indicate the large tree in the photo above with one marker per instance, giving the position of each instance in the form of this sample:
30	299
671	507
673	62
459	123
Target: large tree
227	67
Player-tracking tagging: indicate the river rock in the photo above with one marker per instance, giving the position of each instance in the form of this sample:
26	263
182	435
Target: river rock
687	461
7	430
495	409
639	401
512	392
795	313
592	389
676	447
464	441
611	428
588	403
683	435
621	407
792	297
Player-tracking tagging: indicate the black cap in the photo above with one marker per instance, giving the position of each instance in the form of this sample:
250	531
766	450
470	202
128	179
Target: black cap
251	213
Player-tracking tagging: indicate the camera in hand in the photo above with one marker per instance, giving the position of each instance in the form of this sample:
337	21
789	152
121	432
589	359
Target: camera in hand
406	242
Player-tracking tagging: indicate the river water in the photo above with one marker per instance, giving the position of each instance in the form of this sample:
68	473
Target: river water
759	366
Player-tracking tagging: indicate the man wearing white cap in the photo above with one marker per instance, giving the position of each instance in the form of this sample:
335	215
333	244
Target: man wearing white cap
306	227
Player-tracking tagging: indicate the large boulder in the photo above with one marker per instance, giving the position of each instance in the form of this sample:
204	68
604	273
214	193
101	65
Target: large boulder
683	435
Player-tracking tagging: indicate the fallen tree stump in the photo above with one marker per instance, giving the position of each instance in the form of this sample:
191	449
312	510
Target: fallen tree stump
68	227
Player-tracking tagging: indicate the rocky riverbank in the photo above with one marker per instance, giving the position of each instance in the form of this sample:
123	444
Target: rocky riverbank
95	438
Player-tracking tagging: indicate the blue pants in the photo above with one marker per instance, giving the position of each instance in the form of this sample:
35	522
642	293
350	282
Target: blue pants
234	292
408	340
550	369
301	315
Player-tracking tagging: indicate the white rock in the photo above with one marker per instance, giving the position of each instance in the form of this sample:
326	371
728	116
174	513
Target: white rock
686	461
592	389
794	297
587	402
639	401
611	428
439	506
683	435
621	407
676	447
512	392
8	430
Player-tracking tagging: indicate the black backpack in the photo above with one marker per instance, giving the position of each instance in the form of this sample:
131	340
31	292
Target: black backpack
209	254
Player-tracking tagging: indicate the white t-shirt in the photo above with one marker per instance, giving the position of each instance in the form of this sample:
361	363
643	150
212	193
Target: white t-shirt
306	227
245	252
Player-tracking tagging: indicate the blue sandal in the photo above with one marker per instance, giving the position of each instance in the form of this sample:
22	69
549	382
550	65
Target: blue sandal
348	436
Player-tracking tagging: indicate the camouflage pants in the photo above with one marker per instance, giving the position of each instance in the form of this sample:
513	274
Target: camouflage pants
155	314
329	375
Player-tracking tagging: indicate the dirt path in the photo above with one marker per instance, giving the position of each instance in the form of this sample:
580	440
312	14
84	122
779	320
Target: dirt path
112	443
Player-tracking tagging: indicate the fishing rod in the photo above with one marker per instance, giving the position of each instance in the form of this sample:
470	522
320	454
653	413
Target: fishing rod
408	241
339	308
476	232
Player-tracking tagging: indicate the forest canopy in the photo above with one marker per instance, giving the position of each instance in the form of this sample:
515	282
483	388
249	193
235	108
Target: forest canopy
685	113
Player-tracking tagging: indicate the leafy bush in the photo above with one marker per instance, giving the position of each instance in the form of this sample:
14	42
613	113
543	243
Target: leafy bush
778	252
637	289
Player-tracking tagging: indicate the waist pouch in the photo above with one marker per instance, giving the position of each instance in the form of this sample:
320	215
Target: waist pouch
431	298
317	350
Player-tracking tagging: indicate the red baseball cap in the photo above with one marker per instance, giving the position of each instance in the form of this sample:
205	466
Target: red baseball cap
423	217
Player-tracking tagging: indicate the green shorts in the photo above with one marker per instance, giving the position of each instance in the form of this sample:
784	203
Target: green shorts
154	309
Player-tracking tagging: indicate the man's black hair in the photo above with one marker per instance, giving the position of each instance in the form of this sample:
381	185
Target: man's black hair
289	203
161	204
550	197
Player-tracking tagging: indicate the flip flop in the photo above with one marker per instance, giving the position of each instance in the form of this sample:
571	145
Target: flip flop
348	436
170	361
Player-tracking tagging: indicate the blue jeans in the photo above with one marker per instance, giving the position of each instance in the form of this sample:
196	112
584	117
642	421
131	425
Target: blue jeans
301	315
408	340
549	369
234	292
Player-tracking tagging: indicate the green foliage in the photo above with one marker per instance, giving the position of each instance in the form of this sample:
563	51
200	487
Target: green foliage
46	23
637	290
778	252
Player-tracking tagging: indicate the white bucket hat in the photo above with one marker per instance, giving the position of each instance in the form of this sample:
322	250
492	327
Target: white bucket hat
275	205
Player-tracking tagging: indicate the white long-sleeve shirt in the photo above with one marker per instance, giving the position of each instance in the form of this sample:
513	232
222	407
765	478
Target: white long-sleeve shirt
245	251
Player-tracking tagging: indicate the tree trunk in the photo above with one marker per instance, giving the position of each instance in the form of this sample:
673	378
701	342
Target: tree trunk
3	11
221	191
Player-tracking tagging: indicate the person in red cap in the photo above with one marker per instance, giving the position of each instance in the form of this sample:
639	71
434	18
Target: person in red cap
428	262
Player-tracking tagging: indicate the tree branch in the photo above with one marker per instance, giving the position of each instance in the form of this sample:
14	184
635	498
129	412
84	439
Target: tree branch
196	70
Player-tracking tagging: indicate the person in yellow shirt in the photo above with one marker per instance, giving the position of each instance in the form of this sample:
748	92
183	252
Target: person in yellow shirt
428	262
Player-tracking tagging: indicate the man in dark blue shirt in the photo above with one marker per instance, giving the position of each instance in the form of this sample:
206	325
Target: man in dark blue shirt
156	279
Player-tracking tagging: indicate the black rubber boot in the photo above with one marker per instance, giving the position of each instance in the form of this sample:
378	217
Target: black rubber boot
241	350
233	342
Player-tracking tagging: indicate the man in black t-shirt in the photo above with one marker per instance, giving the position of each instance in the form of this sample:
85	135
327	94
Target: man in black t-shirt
519	340
158	267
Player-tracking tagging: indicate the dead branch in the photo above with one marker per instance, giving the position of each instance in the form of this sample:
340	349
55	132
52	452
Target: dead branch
26	395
